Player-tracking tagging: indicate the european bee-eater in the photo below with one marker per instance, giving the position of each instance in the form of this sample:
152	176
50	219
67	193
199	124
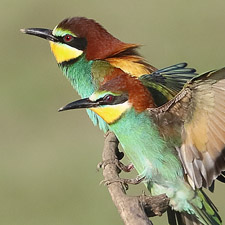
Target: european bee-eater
87	53
178	147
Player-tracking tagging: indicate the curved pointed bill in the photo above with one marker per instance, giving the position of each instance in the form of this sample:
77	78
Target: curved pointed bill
40	32
79	104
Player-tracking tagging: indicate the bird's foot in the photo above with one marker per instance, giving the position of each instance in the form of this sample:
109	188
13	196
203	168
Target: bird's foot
120	165
126	168
124	181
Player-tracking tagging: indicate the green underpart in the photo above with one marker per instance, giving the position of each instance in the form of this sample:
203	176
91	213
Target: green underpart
150	154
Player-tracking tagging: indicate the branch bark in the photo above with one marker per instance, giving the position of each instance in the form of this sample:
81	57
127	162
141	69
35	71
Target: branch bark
136	209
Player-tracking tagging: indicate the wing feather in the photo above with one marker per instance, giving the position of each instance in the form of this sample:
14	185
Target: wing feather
198	116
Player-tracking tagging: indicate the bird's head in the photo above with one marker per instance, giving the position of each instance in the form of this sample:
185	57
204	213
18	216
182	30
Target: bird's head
116	96
78	35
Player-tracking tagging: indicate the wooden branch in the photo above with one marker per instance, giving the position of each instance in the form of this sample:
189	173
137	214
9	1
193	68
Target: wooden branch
133	210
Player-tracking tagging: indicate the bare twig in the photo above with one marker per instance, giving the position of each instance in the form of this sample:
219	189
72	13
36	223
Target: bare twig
133	210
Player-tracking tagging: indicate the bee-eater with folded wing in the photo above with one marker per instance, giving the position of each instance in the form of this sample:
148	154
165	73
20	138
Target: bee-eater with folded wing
178	147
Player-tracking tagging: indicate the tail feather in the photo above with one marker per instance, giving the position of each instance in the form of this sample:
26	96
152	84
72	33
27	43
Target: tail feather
171	216
204	212
188	219
181	218
207	213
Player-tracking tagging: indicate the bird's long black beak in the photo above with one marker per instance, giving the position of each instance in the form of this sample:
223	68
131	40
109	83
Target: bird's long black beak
79	104
40	32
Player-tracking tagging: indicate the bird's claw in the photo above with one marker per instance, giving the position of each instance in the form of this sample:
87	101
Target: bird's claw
124	181
103	164
120	165
108	182
125	168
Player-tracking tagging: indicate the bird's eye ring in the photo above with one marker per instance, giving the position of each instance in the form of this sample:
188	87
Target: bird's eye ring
68	38
108	98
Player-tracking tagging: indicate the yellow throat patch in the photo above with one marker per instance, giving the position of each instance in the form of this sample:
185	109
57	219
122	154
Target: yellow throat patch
111	113
64	52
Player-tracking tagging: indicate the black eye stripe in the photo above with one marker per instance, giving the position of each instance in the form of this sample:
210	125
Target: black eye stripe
68	38
115	101
78	43
109	98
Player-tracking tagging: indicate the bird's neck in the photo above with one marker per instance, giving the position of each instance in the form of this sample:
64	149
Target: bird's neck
79	74
145	147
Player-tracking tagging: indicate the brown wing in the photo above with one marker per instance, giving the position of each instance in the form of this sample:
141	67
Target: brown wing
196	116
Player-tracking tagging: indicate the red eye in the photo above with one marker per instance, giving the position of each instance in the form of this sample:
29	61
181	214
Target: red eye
68	38
108	98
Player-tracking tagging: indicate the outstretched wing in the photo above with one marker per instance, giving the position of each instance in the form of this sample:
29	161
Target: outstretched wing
165	83
197	114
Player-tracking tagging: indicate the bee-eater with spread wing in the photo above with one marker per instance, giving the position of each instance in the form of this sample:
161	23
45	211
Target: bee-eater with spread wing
87	53
178	147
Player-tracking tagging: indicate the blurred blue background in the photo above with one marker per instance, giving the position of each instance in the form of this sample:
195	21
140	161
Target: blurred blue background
48	159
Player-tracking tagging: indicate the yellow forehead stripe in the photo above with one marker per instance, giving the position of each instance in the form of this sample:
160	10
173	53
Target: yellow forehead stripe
63	52
111	113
